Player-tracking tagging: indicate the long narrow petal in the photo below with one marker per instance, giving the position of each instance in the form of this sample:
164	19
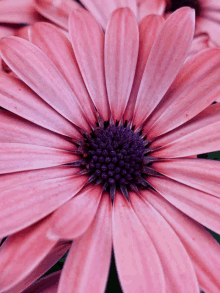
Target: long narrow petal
137	261
196	241
17	251
17	130
42	76
21	11
57	11
195	88
74	217
199	205
146	7
174	38
26	204
48	284
149	28
16	97
87	265
54	255
121	52
58	48
8	181
198	173
206	118
175	261
16	157
87	40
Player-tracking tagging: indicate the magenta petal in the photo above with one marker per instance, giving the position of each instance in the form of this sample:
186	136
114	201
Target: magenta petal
40	197
196	241
174	38
175	261
121	52
74	217
17	251
43	77
137	261
87	39
87	265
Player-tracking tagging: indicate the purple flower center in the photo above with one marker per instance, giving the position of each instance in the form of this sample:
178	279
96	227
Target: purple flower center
176	4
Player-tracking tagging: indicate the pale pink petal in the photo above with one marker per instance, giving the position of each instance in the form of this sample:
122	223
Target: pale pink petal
17	130
74	217
149	27
87	39
22	252
86	267
7	181
59	50
48	284
174	38
42	76
121	52
209	116
16	157
57	11
146	7
195	88
201	206
198	173
137	261
196	241
102	11
54	255
206	23
174	259
26	204
20	11
6	31
200	42
21	100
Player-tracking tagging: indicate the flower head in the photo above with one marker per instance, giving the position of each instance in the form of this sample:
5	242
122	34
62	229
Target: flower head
79	115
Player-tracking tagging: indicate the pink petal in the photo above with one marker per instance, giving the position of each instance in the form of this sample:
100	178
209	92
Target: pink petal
137	261
22	252
37	71
74	217
86	267
16	130
200	42
48	284
6	31
20	157
121	51
195	88
102	11
59	50
7	181
175	261
174	38
196	241
198	173
40	197
149	28
206	118
211	26
88	44
54	255
22	101
21	11
146	7
57	11
201	206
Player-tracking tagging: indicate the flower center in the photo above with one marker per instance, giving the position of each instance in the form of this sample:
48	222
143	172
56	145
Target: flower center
176	4
115	156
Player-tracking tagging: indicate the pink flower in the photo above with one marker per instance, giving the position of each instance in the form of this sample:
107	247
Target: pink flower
129	182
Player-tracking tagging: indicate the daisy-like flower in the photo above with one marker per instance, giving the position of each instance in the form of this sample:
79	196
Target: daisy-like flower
207	16
97	147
